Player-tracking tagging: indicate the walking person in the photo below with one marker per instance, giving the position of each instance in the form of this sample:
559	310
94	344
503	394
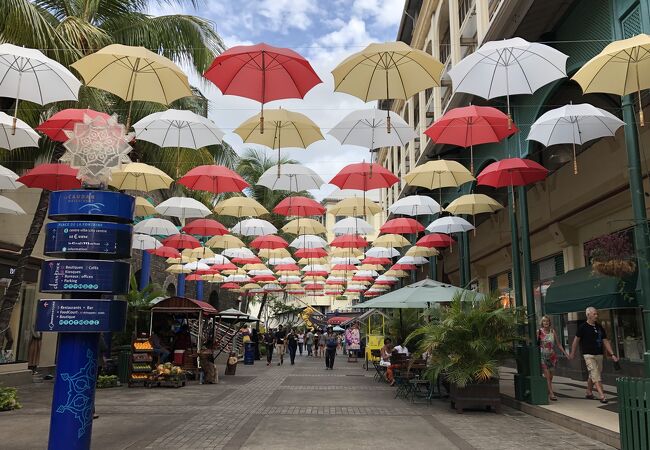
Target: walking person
301	341
269	343
309	341
280	347
593	342
292	344
547	339
317	338
331	341
322	343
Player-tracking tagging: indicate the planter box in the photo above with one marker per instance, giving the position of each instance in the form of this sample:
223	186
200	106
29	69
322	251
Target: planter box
476	395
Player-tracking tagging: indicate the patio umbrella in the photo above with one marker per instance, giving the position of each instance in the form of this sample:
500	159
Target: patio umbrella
240	207
299	206
574	124
213	178
367	128
288	129
145	242
390	240
254	227
139	177
143	207
8	206
155	227
262	72
349	241
165	252
205	227
269	241
225	241
134	73
422	294
470	126
181	241
435	240
355	206
402	225
352	225
24	72
293	178
14	133
304	226
308	241
53	177
65	120
415	205
621	68
512	172
183	208
508	67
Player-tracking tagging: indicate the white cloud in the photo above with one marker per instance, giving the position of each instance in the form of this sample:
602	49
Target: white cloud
286	14
386	13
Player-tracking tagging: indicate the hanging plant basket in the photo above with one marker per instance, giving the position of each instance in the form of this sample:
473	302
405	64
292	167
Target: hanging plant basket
619	268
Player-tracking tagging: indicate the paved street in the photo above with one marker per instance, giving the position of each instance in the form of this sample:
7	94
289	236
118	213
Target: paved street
301	406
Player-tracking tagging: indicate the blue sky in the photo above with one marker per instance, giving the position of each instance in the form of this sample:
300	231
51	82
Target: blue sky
323	31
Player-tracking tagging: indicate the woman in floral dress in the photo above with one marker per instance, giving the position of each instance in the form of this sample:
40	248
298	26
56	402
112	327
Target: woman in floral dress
547	340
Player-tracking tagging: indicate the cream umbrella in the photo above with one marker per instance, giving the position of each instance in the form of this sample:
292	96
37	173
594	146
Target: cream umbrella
183	259
143	207
139	177
421	251
269	253
439	174
199	252
178	269
225	241
240	207
304	226
355	206
213	278
473	204
390	240
344	252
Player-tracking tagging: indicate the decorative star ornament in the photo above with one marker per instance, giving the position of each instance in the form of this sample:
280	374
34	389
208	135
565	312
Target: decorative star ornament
96	147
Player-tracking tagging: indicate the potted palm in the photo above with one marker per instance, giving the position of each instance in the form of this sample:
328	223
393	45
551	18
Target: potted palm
612	255
465	345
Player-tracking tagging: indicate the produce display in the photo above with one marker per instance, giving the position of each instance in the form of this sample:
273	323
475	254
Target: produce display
139	376
141	362
142	345
168	370
139	367
142	357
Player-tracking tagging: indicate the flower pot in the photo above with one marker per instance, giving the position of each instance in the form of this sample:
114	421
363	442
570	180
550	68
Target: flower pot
619	268
477	395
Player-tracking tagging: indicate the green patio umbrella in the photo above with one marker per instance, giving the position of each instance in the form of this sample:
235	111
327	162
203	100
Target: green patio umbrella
422	294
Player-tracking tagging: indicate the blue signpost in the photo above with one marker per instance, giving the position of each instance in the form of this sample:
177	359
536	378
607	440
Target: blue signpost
90	224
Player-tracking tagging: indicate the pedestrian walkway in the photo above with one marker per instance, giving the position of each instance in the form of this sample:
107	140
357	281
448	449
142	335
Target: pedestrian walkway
286	407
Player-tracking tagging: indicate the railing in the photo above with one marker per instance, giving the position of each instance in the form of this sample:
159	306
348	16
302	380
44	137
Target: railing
464	8
493	6
445	48
634	412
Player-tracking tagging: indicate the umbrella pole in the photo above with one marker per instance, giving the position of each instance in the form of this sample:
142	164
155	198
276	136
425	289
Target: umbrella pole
387	97
263	94
575	161
15	119
471	159
134	74
638	89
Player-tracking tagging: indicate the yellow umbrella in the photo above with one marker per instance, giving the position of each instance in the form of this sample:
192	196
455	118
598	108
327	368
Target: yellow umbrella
288	129
248	286
396	273
225	241
375	267
213	278
438	174
421	251
256	266
134	73
273	253
184	259
198	252
621	68
293	286
390	240
355	206
177	268
305	261
391	70
471	204
139	177
304	226
240	207
143	207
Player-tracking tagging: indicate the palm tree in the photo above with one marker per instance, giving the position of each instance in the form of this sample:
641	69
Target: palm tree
67	30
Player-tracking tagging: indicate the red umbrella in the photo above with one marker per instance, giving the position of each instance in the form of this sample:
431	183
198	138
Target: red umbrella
193	277
362	278
210	271
262	278
286	267
316	273
344	267
53	177
251	260
299	206
262	72
205	227
335	282
269	241
213	178
374	260
385	282
66	120
181	241
313	287
435	240
364	176
165	252
311	252
402	225
230	286
403	267
349	241
227	266
469	126
511	172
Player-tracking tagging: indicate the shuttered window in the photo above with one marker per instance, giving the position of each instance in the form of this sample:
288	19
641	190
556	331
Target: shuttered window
631	23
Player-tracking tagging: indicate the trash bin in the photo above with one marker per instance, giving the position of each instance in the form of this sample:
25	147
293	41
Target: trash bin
123	363
249	354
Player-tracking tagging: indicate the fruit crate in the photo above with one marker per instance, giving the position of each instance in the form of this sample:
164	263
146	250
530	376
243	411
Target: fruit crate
141	362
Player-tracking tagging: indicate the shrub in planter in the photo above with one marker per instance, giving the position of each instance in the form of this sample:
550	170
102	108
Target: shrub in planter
8	399
107	381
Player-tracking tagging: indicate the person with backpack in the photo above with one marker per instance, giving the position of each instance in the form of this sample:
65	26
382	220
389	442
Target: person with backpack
331	342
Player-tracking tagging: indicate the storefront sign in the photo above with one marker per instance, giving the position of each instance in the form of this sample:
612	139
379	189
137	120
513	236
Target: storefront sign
83	275
91	203
88	237
80	316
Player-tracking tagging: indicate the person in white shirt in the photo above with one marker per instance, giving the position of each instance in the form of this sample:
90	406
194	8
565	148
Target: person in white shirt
401	348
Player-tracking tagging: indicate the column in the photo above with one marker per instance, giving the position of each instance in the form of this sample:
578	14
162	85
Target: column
145	270
482	20
199	290
180	290
454	32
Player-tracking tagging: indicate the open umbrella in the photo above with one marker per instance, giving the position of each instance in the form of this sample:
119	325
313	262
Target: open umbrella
449	224
155	227
304	226
14	133
415	205
8	206
8	179
225	241
308	241
317	252
269	241
349	241
254	227
364	176
438	174
181	241
421	251
367	128
165	252
390	240
355	206
382	252
402	225
512	172
139	177
352	225
145	242
53	177
183	208
65	120
198	252
213	178
205	227
299	206
473	204
240	207
143	207
293	178
435	240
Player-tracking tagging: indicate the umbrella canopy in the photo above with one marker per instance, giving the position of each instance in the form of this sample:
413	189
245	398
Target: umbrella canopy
215	259
349	241
512	172
143	207
213	178
273	253
166	252
382	252
355	206
198	252
139	177
177	269
408	260
308	241
14	133
438	174
422	294
225	241
293	178
53	177
269	241
205	227
364	176
415	205
181	241
65	120
178	128
254	227
240	207
421	251
196	265
182	207
402	225
304	226
156	227
299	206
311	253
575	125
145	242
8	206
449	224
8	179
435	240
367	128
472	204
352	225
390	240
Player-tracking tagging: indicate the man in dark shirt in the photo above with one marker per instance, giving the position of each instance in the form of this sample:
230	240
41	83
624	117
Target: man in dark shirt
280	336
292	343
269	342
593	340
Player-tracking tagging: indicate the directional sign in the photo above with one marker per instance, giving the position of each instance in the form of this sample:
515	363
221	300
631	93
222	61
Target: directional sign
104	204
103	238
80	316
85	275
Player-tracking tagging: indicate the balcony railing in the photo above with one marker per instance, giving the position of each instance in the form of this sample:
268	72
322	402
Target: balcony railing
445	48
464	8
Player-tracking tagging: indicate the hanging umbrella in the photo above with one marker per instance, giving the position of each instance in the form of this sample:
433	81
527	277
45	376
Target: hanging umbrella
181	241
390	240
155	227
287	129
145	242
240	207
183	208
262	72
411	260
134	74
421	251
225	241
367	128
14	133
273	253
438	174
472	204
355	206
269	241
470	126
415	205
293	178
574	124
308	241
139	177
143	207
508	67
205	227
27	74
53	177
299	206
621	68
65	120
304	226
216	259
8	179
352	225
199	252
435	240
311	253
278	261
8	206
449	224
375	260
382	252
177	269
241	252
364	176
346	252
512	172
213	178
165	252
391	70
402	225
349	241
196	266
254	227
237	278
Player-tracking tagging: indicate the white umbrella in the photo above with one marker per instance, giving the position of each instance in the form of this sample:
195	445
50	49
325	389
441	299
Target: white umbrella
156	227
415	205
145	242
257	272
345	260
182	207
315	268
237	278
241	252
382	252
16	133
417	260
574	124
272	287
352	225
293	178
508	67
308	241
254	227
278	261
216	259
8	179
450	224
196	265
178	128
8	206
289	279
27	74
366	273
386	278
367	128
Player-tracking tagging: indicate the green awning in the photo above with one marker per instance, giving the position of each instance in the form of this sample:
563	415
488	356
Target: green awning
580	288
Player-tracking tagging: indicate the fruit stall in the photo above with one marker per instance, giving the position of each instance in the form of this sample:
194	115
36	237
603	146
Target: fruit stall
141	361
